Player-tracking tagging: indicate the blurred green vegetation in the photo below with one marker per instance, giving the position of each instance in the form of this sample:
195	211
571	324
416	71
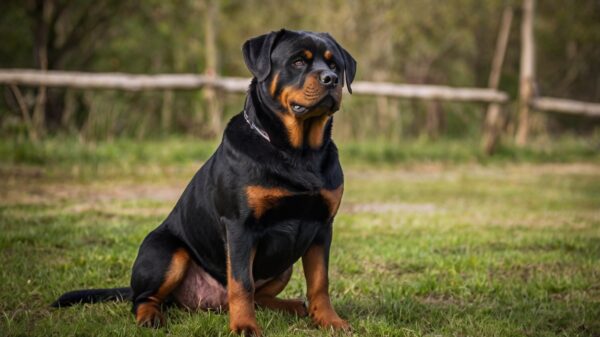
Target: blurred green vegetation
429	41
69	156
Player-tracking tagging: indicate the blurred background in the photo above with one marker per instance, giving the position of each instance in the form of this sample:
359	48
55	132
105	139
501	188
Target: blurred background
449	43
470	147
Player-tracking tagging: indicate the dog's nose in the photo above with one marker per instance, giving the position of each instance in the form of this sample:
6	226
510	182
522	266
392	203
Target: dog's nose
328	78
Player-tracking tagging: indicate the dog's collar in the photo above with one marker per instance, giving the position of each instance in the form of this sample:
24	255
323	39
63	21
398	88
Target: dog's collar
262	133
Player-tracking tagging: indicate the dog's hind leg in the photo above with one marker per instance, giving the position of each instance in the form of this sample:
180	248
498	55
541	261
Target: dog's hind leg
266	296
159	268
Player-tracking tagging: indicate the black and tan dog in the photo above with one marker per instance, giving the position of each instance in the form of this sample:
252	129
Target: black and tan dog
266	198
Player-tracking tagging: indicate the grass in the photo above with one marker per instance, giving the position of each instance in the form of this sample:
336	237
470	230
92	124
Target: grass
68	152
428	244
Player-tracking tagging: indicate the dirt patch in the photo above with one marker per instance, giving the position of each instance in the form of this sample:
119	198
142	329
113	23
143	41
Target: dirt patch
389	208
27	186
31	194
438	171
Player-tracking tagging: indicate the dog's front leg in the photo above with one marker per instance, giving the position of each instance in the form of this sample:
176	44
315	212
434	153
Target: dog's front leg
240	283
316	264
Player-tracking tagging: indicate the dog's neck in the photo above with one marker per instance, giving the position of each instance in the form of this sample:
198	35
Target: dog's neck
262	112
253	121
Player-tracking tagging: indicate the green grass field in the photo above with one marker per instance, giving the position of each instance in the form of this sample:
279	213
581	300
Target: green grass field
433	241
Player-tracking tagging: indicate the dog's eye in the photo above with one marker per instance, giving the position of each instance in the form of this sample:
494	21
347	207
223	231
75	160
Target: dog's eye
299	63
332	66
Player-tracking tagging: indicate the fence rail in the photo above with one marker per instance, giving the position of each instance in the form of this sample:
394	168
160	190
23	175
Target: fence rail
132	82
566	106
121	81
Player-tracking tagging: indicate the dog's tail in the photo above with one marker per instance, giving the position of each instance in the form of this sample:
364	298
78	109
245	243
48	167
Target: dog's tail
92	296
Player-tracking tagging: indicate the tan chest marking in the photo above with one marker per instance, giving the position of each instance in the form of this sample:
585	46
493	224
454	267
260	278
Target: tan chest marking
261	199
316	131
295	129
333	198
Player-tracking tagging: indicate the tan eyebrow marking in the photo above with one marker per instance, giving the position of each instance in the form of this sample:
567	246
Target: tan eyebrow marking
308	54
328	55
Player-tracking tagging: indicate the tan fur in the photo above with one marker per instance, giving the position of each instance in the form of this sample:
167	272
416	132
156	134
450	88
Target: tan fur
310	126
317	284
261	199
308	95
333	198
148	314
242	317
266	296
316	131
273	86
175	274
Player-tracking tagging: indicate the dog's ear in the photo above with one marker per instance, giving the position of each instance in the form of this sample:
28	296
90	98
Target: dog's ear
349	62
257	54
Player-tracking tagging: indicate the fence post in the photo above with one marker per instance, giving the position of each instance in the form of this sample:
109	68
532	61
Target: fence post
494	117
166	111
41	32
527	71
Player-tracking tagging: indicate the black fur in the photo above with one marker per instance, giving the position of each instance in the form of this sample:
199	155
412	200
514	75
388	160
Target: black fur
92	296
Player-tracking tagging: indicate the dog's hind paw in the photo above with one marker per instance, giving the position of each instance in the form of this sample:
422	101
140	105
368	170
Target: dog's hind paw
148	315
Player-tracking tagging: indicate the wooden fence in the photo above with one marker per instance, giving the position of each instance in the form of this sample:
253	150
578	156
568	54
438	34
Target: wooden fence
132	82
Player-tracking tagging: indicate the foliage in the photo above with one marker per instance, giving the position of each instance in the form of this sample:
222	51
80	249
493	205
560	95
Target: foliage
448	42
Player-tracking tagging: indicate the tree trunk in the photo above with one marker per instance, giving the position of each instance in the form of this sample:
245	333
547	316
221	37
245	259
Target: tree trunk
527	71
434	120
494	118
166	113
42	11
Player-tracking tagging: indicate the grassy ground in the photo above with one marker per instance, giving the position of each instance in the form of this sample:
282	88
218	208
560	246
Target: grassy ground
423	246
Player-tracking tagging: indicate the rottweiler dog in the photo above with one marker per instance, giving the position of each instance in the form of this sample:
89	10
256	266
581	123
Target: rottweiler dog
266	198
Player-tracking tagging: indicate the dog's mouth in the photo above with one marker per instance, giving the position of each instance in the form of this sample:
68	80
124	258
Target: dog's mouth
299	109
327	104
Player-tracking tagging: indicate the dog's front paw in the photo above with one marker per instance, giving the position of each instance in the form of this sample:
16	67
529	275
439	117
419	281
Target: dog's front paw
245	328
327	318
336	324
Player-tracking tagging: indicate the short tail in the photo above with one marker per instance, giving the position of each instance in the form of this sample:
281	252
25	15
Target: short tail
92	296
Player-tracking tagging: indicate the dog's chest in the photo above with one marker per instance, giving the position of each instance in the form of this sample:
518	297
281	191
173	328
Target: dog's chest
288	223
272	204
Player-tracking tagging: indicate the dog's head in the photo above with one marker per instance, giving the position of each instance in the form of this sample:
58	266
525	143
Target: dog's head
301	72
